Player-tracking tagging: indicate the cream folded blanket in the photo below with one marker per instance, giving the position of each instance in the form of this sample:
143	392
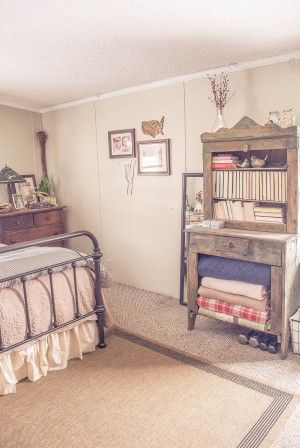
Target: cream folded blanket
257	292
234	299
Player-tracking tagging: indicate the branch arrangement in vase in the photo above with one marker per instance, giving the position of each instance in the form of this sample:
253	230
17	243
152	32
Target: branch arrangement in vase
220	97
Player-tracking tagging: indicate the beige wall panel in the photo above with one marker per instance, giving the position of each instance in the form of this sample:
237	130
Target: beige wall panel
73	167
17	148
141	232
275	87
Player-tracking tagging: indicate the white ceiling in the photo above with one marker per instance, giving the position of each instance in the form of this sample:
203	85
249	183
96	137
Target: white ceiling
56	51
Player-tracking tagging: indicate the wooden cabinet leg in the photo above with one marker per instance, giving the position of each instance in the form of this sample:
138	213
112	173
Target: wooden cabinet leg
191	320
285	337
192	287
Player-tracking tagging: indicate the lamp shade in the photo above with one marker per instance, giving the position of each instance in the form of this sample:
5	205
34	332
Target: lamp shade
8	175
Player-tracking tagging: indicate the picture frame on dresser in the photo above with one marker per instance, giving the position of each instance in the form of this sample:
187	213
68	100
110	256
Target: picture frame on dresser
192	183
18	201
27	189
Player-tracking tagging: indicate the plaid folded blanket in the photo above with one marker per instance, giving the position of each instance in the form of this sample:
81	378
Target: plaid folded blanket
261	317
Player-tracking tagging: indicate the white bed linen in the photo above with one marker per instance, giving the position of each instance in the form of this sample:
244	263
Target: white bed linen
52	352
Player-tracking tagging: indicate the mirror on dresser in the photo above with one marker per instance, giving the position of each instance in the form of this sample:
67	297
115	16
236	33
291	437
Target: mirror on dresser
191	214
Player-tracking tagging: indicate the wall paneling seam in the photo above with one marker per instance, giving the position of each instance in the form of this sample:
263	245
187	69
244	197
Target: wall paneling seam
98	171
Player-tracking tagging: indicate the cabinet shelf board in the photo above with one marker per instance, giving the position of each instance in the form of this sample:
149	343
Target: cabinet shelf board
215	198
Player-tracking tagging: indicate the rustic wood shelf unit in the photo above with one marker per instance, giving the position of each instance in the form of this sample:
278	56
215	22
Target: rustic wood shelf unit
272	243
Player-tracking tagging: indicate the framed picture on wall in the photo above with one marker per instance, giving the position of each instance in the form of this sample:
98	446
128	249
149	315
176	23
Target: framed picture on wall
121	143
27	189
154	157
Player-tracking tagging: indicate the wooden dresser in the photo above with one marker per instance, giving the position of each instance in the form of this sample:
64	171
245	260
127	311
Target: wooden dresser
27	225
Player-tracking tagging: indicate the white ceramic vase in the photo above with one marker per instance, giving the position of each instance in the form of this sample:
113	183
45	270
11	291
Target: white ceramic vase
220	121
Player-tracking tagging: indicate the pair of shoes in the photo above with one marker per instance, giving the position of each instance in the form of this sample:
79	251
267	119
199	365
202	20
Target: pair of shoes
265	342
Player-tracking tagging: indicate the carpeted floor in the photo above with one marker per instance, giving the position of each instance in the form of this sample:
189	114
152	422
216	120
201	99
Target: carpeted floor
161	319
135	394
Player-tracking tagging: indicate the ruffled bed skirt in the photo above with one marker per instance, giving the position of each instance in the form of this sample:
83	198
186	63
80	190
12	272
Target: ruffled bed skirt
49	353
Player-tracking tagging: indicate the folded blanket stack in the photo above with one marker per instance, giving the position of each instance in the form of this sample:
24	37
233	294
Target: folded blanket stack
234	290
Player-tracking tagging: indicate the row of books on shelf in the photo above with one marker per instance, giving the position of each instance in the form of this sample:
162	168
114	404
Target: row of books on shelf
251	185
224	161
247	211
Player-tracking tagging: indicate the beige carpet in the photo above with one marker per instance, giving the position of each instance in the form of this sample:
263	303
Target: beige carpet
162	320
136	395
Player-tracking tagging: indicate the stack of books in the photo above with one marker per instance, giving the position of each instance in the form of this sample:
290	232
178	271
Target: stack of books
247	211
224	162
269	214
235	210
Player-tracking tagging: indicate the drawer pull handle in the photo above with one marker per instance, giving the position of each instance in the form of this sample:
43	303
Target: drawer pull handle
12	241
18	222
231	245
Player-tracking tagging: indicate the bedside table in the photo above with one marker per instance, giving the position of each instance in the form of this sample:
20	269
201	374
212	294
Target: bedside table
26	225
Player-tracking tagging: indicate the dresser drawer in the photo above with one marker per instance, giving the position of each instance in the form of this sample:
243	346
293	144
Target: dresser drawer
31	234
234	245
260	251
48	218
17	222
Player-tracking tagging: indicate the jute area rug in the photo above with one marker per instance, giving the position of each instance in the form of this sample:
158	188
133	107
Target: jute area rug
137	394
162	320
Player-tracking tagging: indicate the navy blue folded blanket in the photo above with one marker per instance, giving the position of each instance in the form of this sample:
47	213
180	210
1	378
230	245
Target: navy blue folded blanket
230	269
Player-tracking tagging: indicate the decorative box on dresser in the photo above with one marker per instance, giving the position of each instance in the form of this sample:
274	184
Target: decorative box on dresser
30	224
269	243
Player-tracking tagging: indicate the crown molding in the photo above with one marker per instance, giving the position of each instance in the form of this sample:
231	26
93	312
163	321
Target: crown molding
18	106
233	67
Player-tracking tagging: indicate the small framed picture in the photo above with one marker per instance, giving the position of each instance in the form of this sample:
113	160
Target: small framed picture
18	201
27	189
121	143
154	157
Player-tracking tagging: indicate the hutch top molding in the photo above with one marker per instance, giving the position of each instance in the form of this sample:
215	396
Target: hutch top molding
248	129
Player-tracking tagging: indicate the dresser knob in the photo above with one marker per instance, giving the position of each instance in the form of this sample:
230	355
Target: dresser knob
12	241
18	222
246	148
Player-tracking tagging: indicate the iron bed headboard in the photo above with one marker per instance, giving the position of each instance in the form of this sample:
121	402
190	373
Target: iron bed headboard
99	308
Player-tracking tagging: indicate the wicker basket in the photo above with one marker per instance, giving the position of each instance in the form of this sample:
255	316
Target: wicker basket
295	331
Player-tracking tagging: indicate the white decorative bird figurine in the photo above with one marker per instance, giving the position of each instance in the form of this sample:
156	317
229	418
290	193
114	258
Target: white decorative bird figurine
244	164
258	163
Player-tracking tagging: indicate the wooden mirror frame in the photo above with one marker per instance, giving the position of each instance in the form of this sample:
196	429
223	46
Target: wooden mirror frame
185	176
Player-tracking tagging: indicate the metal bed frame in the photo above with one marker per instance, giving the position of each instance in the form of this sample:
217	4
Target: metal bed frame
99	308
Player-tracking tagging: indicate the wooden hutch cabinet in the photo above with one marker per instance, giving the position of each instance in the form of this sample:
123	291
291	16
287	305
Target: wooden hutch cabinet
273	242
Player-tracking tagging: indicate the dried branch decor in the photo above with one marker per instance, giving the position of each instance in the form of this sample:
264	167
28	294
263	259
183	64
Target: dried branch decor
220	91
